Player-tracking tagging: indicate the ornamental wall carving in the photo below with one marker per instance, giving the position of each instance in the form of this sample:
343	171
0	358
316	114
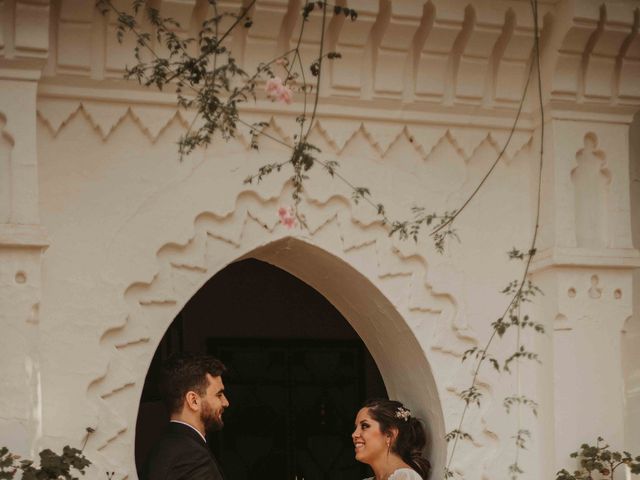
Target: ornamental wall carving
161	245
418	108
449	52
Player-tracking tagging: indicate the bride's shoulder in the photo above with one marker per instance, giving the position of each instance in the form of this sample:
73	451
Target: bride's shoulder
405	474
402	474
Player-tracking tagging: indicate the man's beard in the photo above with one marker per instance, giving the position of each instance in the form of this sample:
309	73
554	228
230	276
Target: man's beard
210	420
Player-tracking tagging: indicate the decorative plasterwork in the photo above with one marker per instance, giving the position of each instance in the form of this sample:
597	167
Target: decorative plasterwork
451	52
6	148
382	136
216	240
598	54
591	181
24	37
25	30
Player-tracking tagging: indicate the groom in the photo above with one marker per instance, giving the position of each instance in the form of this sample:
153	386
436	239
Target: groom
192	388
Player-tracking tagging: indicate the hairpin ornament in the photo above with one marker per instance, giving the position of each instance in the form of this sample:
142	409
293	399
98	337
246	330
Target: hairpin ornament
403	413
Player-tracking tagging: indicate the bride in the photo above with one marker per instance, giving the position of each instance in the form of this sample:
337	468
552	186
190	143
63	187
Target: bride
390	440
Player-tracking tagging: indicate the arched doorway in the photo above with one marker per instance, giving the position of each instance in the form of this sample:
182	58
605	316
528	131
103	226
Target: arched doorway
359	282
298	372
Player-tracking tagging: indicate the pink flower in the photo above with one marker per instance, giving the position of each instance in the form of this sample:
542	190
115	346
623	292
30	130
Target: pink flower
273	86
276	90
286	95
287	217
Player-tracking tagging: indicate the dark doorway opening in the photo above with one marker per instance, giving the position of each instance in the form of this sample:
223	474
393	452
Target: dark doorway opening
298	372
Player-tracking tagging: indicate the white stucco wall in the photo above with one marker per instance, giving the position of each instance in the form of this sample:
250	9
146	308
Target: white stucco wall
107	235
631	336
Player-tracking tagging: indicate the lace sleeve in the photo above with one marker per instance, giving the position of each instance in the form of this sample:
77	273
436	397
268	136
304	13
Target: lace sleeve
405	474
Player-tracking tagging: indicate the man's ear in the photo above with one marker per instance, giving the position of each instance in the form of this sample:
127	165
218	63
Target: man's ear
192	401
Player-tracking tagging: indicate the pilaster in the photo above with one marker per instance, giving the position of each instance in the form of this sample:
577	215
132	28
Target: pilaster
584	265
23	51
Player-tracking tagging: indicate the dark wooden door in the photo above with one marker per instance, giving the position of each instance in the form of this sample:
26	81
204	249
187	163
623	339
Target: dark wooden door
293	404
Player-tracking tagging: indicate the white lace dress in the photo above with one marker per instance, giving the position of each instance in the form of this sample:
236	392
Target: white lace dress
402	474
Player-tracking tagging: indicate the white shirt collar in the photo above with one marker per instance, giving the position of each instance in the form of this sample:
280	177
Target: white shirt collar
191	426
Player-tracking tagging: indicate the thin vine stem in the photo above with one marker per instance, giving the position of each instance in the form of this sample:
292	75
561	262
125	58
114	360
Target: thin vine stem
304	88
495	162
297	56
202	56
217	32
531	253
266	135
132	29
317	92
519	406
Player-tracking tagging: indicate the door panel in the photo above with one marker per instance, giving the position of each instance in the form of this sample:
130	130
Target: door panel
293	403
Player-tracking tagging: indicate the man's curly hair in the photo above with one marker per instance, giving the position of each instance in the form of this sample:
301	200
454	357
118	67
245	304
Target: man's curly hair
186	372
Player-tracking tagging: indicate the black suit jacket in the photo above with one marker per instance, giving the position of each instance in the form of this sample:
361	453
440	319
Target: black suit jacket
181	454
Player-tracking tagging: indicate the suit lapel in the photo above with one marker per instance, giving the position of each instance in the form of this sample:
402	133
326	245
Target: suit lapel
182	429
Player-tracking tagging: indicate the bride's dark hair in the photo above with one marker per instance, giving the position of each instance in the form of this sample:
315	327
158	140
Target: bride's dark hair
411	438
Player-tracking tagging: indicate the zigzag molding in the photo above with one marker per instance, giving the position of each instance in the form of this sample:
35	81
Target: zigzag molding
106	118
182	267
447	137
153	120
405	135
331	140
55	113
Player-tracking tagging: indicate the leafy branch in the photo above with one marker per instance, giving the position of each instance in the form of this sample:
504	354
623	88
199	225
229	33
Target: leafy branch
52	465
599	459
442	226
513	400
520	439
471	395
457	434
520	354
479	353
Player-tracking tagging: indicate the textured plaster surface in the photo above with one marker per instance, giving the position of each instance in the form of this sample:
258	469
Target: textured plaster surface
105	235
